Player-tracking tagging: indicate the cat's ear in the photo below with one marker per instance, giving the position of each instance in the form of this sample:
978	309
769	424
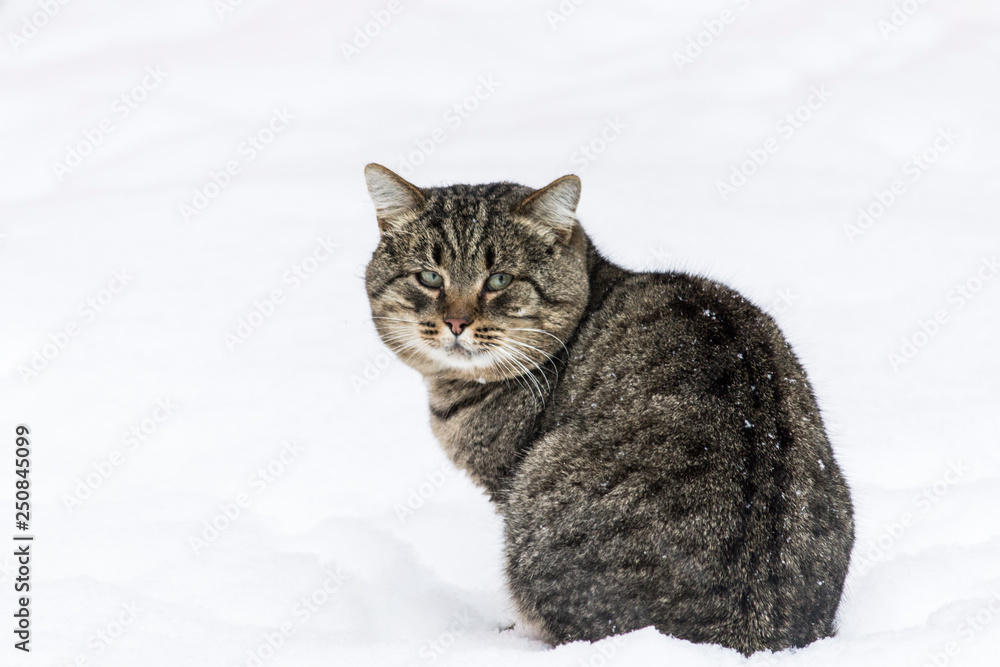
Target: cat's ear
553	208
396	200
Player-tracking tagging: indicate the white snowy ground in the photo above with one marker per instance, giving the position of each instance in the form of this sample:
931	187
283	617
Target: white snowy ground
362	546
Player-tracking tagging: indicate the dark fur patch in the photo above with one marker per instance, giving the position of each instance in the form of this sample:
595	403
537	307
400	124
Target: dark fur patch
656	463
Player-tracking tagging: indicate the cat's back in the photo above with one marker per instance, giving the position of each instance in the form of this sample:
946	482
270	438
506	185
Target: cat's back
683	472
652	335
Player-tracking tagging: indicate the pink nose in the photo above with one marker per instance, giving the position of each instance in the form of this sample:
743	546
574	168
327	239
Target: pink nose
457	324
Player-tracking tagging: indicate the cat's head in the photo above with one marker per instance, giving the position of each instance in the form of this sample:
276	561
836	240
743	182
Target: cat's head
476	281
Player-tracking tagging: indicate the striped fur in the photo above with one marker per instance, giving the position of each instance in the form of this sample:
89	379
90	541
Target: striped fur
651	440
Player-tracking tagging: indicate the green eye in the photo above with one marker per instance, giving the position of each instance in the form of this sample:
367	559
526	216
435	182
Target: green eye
499	281
430	279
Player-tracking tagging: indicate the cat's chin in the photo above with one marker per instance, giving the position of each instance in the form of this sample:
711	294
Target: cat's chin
460	358
457	364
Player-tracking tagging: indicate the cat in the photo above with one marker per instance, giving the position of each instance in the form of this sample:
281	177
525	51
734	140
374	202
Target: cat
650	439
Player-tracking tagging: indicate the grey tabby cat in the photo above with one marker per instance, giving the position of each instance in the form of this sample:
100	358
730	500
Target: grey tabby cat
650	439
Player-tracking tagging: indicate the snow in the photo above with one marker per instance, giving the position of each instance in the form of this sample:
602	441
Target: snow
346	537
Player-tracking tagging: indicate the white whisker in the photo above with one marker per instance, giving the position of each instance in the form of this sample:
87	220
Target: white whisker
548	357
532	363
495	354
542	331
530	376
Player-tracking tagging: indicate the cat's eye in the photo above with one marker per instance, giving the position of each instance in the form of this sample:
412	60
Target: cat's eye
430	279
499	281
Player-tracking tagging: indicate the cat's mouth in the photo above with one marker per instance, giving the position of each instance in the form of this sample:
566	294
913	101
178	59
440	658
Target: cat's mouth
458	355
456	348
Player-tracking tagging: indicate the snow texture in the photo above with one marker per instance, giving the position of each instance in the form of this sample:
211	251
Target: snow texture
183	228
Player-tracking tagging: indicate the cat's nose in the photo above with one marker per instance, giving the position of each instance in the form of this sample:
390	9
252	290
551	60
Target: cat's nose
457	324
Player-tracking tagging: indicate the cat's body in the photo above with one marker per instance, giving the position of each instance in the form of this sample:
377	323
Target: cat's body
660	460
